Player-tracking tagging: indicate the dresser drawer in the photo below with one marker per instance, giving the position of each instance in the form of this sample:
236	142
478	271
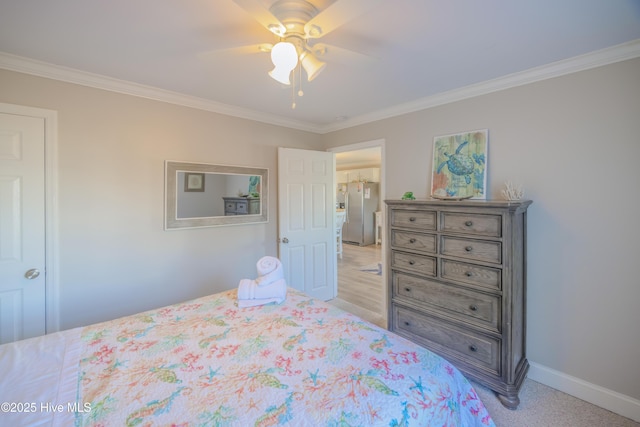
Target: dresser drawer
480	250
424	220
465	305
448	339
242	207
239	207
483	225
471	274
414	241
422	264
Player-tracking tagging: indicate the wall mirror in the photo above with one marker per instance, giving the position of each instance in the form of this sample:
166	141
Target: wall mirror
207	195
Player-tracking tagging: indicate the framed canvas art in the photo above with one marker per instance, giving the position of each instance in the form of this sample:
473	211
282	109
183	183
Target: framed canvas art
460	165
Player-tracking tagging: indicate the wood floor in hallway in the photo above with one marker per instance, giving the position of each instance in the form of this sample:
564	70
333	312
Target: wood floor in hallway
360	288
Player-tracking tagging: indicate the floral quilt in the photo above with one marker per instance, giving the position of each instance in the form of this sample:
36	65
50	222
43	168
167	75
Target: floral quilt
207	362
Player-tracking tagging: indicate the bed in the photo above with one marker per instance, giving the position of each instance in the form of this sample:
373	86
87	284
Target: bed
207	362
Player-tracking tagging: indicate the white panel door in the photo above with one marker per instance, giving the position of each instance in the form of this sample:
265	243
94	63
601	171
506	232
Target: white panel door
22	227
306	210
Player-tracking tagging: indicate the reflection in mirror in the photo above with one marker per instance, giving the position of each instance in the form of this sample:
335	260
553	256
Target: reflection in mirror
217	194
206	195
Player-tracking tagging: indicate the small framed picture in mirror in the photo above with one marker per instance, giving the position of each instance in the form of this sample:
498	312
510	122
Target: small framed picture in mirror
194	182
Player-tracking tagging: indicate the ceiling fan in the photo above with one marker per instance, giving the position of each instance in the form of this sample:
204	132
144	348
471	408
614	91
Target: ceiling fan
299	24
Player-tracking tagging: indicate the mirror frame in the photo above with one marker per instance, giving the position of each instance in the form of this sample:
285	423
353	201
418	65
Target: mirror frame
172	222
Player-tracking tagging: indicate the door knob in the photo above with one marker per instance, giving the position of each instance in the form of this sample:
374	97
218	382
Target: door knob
285	240
32	274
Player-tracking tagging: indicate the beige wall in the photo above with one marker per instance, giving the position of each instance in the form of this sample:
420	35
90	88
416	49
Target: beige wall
574	143
114	256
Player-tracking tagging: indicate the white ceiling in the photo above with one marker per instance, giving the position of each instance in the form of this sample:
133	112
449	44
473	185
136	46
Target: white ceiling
362	158
411	50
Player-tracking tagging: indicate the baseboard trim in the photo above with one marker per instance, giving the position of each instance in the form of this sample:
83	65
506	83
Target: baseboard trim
592	393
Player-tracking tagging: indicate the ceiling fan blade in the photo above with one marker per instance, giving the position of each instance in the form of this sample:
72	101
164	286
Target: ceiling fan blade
239	50
336	15
335	54
260	13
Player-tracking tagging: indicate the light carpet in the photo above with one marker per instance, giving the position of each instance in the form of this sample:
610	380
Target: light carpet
543	406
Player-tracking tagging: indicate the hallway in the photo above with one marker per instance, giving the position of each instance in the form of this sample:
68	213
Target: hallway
360	287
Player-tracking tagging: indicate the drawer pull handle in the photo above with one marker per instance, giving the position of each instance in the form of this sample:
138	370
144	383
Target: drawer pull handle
468	274
412	262
407	289
412	219
473	307
473	348
412	240
406	324
468	248
468	223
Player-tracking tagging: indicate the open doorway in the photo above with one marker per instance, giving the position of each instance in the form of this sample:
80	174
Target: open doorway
360	194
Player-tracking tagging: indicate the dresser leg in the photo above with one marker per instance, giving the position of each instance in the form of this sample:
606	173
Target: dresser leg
509	402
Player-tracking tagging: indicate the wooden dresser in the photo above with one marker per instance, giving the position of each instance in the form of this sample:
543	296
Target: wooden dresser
457	285
241	206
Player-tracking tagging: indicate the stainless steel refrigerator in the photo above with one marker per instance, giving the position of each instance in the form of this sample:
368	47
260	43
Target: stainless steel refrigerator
360	201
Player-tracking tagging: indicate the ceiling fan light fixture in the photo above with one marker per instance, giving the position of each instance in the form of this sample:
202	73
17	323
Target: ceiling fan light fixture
281	75
312	65
285	58
284	55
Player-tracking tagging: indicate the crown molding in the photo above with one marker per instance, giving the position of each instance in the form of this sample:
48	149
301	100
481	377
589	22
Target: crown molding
587	61
618	53
56	72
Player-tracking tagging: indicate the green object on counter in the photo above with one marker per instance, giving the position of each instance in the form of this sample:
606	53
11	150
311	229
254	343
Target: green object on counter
408	196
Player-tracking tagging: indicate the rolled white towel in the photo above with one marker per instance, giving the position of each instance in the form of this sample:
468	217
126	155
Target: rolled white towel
244	303
269	270
249	290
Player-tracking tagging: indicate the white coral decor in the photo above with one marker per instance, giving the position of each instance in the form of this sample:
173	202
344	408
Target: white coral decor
512	192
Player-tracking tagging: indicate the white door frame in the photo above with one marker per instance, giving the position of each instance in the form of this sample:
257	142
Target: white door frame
52	292
371	144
